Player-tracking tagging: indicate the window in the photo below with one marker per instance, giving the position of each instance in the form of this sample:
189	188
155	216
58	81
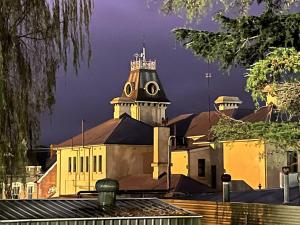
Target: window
100	164
292	161
29	191
87	164
81	164
16	188
95	164
70	165
74	164
201	167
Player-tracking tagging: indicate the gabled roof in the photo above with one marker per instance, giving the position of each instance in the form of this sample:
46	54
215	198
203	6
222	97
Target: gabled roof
200	124
268	113
138	79
124	130
179	183
262	114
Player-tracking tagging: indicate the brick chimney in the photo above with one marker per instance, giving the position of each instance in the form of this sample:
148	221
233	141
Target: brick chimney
228	102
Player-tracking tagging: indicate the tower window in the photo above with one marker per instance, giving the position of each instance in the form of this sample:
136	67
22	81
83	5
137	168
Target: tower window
152	88
128	89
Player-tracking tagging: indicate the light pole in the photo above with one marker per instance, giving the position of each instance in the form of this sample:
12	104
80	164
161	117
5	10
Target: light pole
286	197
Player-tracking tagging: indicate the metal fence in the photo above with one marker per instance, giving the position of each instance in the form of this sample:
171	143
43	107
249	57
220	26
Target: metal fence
241	213
192	220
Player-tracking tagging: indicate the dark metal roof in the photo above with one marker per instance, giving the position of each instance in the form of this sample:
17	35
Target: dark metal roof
179	183
139	78
200	124
85	208
269	196
124	130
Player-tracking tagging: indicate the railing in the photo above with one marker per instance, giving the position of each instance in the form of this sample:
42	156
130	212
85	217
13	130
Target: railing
141	64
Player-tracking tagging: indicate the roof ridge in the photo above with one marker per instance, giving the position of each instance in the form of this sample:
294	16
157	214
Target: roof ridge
112	130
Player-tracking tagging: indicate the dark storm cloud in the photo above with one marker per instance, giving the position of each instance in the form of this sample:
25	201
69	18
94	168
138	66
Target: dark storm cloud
117	31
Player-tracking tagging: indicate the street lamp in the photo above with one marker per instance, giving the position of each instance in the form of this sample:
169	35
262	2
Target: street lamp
286	197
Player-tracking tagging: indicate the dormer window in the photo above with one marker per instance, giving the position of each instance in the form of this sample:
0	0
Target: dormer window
152	88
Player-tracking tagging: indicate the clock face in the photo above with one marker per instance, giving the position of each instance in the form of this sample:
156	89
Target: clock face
128	89
152	88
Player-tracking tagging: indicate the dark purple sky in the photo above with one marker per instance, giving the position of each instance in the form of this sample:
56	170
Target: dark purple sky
117	31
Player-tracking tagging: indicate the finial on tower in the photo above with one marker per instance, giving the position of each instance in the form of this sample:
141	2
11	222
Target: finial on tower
144	49
140	61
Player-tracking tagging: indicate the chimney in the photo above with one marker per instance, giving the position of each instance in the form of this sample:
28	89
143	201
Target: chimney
107	191
228	102
160	151
226	179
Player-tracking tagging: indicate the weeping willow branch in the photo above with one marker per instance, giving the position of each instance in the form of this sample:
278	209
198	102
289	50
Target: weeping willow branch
36	38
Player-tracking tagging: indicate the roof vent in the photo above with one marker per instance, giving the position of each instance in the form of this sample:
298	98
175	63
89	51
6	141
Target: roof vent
228	102
107	191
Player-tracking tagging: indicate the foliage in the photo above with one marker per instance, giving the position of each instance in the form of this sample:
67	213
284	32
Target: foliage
244	40
36	37
196	9
283	135
278	71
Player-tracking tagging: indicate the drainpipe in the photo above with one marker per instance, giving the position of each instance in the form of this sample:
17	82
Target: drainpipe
286	188
226	179
298	179
169	161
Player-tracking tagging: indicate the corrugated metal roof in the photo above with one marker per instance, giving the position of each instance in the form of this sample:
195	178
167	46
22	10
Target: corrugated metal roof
124	130
84	208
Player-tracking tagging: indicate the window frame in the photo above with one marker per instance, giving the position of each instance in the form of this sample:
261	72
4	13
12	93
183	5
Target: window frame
201	167
100	163
95	164
81	164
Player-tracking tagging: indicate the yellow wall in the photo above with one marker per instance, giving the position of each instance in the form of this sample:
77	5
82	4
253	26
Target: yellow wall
244	160
180	162
160	150
125	160
69	183
120	109
117	161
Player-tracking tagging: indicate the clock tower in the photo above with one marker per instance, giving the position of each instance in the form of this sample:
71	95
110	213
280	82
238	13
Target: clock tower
143	96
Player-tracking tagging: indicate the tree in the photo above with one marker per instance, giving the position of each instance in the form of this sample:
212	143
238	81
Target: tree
196	9
268	45
36	38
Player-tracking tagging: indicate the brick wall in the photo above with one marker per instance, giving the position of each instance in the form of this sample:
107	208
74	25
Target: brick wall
47	183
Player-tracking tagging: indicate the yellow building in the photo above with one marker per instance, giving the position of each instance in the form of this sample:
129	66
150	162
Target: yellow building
121	146
252	164
132	147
